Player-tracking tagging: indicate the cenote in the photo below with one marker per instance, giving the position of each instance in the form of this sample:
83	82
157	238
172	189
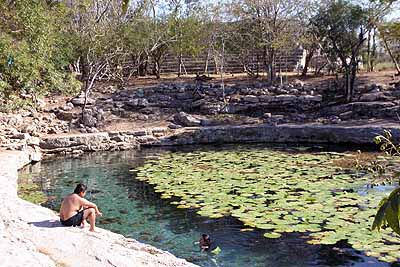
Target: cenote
262	206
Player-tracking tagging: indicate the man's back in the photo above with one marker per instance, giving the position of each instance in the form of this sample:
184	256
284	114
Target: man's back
70	205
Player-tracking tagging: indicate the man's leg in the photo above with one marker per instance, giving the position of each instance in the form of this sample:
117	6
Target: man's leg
91	215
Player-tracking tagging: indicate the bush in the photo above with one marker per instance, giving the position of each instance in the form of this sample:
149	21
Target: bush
30	52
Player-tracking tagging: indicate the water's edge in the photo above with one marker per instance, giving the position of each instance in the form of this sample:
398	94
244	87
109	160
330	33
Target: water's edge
30	235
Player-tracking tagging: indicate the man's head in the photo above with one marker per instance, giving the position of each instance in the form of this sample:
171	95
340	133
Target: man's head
80	190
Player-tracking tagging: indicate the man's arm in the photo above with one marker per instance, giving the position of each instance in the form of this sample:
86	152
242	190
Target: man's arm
87	204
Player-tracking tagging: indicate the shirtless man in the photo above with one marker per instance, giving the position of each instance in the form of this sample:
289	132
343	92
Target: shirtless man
75	209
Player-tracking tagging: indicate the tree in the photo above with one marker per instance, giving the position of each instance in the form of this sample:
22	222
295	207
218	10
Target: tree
272	24
342	27
310	42
186	25
93	27
33	60
390	35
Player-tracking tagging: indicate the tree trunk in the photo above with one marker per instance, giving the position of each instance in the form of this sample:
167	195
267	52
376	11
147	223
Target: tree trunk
369	52
373	51
309	56
347	85
142	67
157	68
271	64
391	55
352	79
206	65
265	61
180	64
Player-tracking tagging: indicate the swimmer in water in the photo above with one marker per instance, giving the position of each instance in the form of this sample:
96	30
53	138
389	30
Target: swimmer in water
205	242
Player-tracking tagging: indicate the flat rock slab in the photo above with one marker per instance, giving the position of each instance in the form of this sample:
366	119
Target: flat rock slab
31	235
351	134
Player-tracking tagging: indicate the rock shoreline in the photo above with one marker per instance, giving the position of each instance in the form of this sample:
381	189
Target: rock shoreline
261	133
31	235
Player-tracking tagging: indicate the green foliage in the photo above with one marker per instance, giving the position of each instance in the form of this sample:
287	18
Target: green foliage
388	213
339	26
342	27
390	32
29	55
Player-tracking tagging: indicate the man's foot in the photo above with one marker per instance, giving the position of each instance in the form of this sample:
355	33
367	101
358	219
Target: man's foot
94	230
83	224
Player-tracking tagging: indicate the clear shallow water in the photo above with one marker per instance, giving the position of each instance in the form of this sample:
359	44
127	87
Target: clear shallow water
131	207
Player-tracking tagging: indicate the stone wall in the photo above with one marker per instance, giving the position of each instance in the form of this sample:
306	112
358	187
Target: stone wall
103	141
210	98
31	235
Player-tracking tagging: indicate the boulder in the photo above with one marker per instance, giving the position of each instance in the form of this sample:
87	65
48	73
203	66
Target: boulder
80	101
174	126
211	108
185	119
250	99
66	115
138	103
372	97
36	156
285	98
311	98
21	136
88	119
33	141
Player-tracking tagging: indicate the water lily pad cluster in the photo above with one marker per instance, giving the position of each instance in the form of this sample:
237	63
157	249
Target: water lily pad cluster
277	192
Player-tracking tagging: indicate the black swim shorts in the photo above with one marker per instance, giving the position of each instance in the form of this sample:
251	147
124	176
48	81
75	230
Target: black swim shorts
75	220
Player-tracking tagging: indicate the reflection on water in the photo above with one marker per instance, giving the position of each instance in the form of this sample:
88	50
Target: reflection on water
133	209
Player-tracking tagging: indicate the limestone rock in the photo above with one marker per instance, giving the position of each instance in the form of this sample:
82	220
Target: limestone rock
250	98
174	126
21	136
89	120
36	156
33	141
138	103
372	97
80	101
185	119
66	115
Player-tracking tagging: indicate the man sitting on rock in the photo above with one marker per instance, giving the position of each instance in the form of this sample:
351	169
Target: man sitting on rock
75	209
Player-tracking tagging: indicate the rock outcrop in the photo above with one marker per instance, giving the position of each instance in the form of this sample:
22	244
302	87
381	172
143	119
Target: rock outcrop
31	235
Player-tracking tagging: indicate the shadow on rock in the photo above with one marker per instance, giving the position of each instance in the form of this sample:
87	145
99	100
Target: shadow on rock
47	223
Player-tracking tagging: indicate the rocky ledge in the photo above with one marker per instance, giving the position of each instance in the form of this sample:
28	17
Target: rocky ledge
31	235
335	134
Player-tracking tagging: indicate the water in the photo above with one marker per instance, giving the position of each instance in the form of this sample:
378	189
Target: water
132	208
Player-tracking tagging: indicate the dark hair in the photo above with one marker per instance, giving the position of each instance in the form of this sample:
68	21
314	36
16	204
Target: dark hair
80	188
205	236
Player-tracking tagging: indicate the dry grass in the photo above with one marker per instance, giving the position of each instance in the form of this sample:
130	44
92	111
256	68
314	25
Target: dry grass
356	160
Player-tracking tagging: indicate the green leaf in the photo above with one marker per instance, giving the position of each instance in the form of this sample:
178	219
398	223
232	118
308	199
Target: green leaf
125	5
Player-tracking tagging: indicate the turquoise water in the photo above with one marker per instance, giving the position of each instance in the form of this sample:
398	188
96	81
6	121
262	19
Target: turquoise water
132	208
